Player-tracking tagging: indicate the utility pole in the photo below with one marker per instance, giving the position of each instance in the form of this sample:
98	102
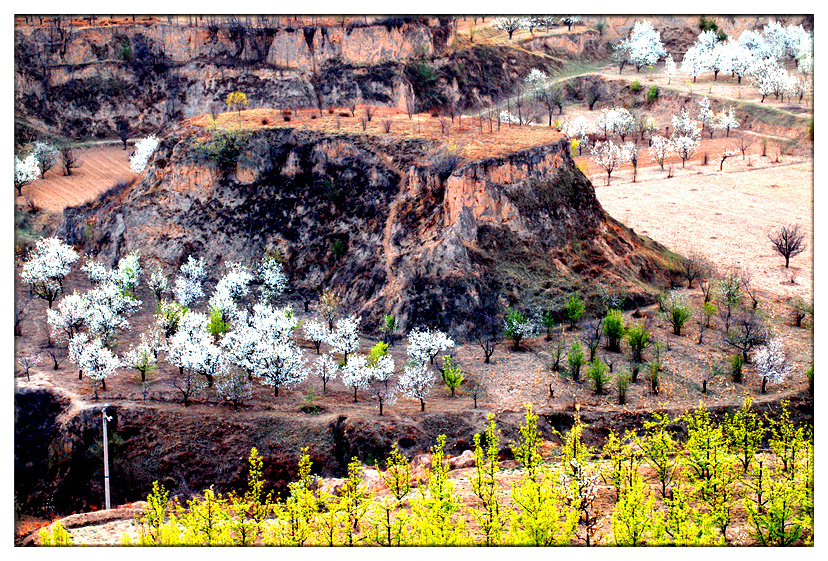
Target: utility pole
106	455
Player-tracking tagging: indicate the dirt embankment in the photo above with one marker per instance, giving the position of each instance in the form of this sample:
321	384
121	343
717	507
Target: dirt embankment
58	462
395	227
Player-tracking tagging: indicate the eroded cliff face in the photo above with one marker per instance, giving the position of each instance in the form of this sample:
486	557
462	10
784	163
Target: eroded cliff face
366	216
79	80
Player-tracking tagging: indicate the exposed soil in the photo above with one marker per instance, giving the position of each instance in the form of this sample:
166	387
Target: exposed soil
102	167
721	214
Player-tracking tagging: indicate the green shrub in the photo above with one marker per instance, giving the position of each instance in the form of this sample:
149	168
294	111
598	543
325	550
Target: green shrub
575	358
736	362
223	148
451	374
708	24
636	85
810	375
638	338
622	383
677	311
598	374
574	310
125	51
614	330
652	94
338	248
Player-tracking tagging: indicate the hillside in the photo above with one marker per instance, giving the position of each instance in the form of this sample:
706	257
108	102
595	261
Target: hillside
395	226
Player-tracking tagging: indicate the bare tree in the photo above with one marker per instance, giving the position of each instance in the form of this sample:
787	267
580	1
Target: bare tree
595	93
369	111
487	331
386	125
590	334
21	306
69	160
29	361
743	142
749	287
410	101
57	352
693	267
122	128
789	241
748	331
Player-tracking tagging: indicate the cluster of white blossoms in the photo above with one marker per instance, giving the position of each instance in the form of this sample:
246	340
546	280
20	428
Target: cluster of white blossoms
416	381
271	272
187	288
344	338
144	149
49	265
425	344
617	120
771	361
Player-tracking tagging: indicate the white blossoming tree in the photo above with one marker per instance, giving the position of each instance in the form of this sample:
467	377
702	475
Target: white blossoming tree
279	363
416	382
129	271
669	68
706	115
686	136
192	350
645	46
316	332
69	317
141	358
344	338
695	62
159	283
727	120
96	272
771	362
736	59
25	171
510	24
660	150
45	270
357	374
325	368
609	156
46	156
144	149
108	307
425	344
187	289
98	362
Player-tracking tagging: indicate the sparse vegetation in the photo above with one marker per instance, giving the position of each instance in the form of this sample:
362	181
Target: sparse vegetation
343	201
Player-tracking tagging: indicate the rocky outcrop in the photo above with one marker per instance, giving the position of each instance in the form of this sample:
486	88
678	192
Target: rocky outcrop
391	224
155	74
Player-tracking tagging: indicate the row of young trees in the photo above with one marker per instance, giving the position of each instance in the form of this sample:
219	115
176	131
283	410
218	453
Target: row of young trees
227	345
760	55
230	344
648	487
42	157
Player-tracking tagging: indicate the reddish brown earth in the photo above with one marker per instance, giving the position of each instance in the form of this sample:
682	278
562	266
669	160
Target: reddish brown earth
721	214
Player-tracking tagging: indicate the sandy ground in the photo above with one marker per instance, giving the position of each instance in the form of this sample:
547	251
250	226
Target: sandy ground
102	167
